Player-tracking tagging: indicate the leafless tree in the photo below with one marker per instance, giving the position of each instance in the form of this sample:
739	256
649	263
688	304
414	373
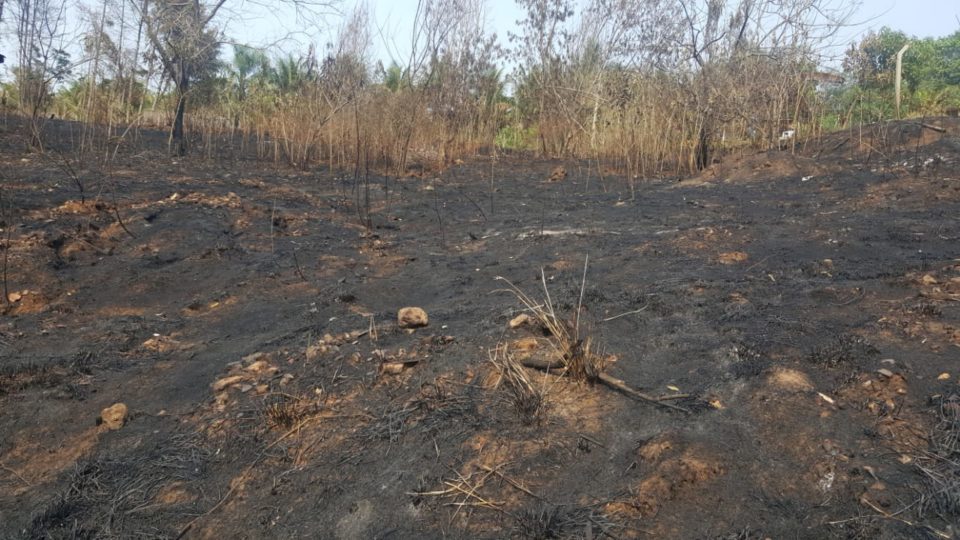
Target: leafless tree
42	59
185	37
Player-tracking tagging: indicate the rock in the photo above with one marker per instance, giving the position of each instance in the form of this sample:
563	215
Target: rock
885	372
225	382
392	368
412	317
521	320
316	350
527	344
943	377
258	366
14	297
114	416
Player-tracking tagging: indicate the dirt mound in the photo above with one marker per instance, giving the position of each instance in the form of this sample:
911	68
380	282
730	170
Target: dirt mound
915	145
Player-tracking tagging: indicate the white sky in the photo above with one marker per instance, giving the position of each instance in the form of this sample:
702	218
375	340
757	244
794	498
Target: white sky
268	23
393	19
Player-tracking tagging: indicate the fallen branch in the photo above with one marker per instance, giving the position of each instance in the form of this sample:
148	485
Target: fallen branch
932	127
611	382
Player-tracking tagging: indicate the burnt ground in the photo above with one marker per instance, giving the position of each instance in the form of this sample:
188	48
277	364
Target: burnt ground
246	316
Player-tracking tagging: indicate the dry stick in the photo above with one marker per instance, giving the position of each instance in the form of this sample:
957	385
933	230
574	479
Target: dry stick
15	473
881	514
436	209
6	249
273	216
611	382
477	206
239	480
116	211
296	263
627	313
512	482
583	285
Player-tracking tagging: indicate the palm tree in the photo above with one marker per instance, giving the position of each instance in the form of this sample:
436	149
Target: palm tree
289	75
247	64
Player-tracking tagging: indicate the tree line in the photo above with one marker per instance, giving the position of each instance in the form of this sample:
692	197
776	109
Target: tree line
652	87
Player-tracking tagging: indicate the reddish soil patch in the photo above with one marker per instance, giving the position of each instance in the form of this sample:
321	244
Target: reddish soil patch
810	310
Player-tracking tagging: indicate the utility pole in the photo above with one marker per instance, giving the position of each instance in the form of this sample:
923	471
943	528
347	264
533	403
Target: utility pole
899	72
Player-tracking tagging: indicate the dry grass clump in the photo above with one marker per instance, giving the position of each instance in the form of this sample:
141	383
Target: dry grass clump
940	466
546	520
528	400
121	496
573	352
284	410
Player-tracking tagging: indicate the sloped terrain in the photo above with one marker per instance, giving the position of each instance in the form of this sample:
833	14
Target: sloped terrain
806	304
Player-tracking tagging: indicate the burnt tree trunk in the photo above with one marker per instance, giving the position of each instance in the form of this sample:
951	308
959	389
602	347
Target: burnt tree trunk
703	148
178	140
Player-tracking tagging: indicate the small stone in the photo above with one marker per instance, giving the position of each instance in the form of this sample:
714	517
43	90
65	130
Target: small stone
888	361
225	382
258	366
943	377
885	372
520	320
316	350
14	297
244	388
412	317
114	416
392	368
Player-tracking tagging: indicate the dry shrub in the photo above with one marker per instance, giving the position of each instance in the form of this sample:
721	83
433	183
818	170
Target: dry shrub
528	400
284	410
572	351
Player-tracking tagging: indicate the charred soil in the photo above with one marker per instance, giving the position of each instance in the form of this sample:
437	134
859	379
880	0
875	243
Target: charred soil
806	302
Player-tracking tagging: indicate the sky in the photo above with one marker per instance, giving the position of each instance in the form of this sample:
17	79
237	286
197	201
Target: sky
393	20
265	23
